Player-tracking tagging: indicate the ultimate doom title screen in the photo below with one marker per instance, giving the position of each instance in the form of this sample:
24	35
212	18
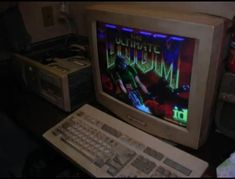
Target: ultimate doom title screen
148	70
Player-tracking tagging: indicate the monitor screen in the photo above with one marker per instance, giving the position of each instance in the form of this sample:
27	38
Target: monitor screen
147	70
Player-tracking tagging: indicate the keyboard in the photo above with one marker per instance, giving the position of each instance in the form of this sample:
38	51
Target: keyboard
107	147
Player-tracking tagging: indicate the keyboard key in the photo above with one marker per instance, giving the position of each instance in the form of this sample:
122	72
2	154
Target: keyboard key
99	162
111	131
177	166
112	171
143	164
173	176
124	155
153	153
160	169
115	164
162	172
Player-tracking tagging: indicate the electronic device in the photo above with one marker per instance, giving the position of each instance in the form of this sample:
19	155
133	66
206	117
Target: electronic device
65	82
225	109
158	70
106	147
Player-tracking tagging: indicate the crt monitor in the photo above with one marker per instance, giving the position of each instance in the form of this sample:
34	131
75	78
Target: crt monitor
157	70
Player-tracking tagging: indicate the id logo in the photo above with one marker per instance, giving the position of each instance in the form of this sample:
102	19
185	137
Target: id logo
180	115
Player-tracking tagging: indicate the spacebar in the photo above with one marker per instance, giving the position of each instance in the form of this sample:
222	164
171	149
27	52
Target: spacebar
90	157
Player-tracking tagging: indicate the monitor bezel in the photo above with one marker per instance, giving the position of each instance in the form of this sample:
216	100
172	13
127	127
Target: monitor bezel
207	33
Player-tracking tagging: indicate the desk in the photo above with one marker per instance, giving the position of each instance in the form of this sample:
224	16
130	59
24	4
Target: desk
37	115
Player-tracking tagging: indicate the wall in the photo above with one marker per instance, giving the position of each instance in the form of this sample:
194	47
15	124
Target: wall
31	12
4	5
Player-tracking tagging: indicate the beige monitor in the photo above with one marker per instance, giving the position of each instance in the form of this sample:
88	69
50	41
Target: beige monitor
157	70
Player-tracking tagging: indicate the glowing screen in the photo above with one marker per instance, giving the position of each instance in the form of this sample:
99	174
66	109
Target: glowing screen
148	70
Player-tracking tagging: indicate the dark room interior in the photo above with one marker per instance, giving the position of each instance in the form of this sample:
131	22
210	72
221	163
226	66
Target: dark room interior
50	68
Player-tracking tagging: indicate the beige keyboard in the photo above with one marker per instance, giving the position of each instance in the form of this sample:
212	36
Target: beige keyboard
107	147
